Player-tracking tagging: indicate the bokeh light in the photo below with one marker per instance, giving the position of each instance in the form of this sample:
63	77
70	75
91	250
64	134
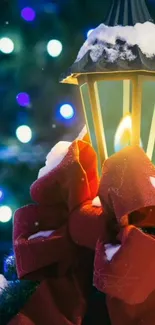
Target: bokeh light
89	32
54	48
5	213
6	45
24	133
23	99
67	111
28	14
1	195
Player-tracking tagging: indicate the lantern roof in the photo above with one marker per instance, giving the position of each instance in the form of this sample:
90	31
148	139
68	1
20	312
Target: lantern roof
124	43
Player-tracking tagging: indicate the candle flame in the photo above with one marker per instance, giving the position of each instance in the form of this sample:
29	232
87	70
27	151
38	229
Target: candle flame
123	133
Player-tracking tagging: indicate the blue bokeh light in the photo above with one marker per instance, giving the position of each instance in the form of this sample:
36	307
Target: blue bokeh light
1	194
66	111
23	99
28	14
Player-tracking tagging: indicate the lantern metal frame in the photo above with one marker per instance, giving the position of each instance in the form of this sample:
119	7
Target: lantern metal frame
122	13
136	78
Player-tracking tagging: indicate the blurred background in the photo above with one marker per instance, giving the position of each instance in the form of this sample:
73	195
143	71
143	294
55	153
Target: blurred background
39	40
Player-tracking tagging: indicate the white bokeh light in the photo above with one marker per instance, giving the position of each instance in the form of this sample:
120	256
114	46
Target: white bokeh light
6	45
24	133
67	111
54	48
5	213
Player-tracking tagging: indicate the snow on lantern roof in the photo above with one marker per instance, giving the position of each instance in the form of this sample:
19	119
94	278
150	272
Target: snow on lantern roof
115	49
142	35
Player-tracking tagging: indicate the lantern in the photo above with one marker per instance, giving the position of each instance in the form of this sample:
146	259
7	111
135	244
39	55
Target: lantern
115	71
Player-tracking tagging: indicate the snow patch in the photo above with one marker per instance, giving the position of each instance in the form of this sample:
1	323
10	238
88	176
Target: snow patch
96	202
152	180
44	234
111	250
54	157
82	133
3	283
96	52
142	35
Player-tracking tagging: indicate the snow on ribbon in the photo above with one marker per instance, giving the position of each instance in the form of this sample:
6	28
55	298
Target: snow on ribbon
96	202
57	153
111	250
3	283
83	133
44	234
152	180
54	157
142	35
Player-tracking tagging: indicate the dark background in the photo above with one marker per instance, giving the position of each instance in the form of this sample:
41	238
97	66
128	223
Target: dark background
32	70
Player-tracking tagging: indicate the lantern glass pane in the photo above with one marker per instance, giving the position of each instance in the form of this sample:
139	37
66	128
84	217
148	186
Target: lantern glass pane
88	113
148	117
115	98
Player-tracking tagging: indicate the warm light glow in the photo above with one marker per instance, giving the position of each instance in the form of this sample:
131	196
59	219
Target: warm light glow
151	140
5	213
123	133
